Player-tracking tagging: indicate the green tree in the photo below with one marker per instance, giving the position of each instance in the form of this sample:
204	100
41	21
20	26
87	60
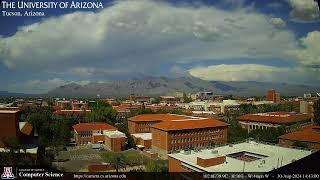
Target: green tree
14	104
316	112
116	160
186	99
157	166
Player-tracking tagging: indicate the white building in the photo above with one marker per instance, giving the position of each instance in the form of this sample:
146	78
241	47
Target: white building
242	157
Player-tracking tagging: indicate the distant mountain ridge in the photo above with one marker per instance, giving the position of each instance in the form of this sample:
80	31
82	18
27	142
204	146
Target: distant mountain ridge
166	86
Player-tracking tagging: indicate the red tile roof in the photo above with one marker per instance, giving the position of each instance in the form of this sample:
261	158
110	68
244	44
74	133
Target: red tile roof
10	108
158	117
160	107
93	126
308	134
275	117
188	124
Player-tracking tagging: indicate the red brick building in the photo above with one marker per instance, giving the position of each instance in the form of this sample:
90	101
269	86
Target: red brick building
139	98
169	99
272	120
11	127
309	135
176	135
99	133
272	95
9	124
143	123
72	112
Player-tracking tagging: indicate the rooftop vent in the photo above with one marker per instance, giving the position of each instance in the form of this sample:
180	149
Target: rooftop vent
214	151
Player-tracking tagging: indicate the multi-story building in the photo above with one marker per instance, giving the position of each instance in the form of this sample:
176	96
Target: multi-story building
139	98
242	157
11	128
79	105
169	99
99	133
310	136
142	140
171	132
143	123
272	95
272	120
9	124
72	112
176	135
63	104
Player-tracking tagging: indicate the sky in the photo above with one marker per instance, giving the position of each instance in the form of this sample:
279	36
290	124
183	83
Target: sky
221	40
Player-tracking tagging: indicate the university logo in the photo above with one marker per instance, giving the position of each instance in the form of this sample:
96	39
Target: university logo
7	173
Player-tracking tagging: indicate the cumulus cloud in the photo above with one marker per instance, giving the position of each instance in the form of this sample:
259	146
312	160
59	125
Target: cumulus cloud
304	10
278	22
255	72
41	86
139	35
308	54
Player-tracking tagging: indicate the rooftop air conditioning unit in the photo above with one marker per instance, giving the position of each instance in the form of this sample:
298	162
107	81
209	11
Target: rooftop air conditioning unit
214	151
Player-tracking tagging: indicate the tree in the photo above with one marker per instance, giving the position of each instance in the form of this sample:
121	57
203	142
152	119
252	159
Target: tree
186	99
316	112
157	166
14	104
116	160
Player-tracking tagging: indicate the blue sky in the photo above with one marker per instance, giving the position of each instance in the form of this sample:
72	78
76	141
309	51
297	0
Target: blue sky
223	40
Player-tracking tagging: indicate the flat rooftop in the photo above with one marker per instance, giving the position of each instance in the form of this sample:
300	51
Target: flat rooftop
144	136
8	111
243	157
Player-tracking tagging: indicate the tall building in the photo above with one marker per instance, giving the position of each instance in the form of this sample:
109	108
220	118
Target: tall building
272	95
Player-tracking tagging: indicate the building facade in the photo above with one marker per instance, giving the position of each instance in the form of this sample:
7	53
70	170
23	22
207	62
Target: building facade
172	136
272	95
99	134
309	136
273	120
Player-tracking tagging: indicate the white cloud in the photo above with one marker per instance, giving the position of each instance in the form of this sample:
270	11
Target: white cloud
309	53
255	72
304	10
132	36
278	22
41	86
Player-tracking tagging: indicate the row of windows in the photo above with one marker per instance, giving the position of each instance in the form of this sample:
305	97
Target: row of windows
199	145
85	135
196	139
144	129
196	132
258	127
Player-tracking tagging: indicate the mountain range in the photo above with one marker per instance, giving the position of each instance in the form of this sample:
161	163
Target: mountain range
168	86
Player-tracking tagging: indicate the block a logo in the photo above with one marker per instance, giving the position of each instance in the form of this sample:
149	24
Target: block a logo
7	173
